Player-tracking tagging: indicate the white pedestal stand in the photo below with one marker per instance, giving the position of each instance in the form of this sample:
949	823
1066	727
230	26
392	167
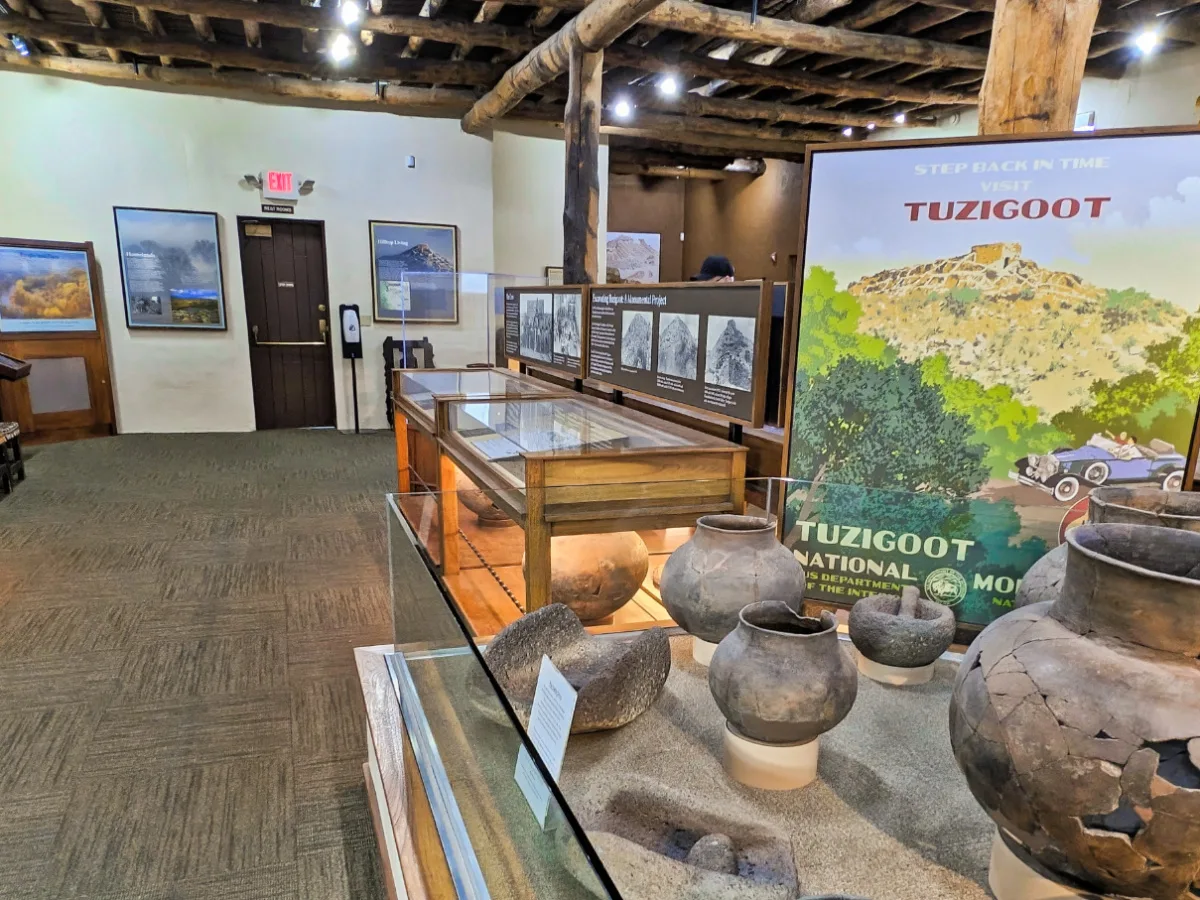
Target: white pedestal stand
702	651
894	674
1010	878
771	767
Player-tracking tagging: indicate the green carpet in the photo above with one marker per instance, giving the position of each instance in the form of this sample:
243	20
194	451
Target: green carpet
180	717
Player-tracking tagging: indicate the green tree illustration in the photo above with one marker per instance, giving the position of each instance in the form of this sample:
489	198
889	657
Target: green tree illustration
829	328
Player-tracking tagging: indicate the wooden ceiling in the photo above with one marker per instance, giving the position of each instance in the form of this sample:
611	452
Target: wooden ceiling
751	84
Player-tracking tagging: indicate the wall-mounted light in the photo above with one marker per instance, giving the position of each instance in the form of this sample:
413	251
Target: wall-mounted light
341	47
350	12
668	86
1147	41
623	109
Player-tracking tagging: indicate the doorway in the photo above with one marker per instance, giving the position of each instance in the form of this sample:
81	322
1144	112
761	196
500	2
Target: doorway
287	314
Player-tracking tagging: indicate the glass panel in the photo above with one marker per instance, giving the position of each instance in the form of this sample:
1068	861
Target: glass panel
466	744
58	385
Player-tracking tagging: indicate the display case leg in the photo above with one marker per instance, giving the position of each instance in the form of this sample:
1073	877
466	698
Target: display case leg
448	500
403	480
537	537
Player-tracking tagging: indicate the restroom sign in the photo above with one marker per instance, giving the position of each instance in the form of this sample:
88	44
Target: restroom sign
278	185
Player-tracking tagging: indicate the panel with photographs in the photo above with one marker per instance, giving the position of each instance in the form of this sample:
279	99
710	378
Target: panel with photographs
544	326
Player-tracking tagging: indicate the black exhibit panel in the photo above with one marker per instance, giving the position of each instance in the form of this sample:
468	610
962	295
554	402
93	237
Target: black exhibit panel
287	312
702	345
544	327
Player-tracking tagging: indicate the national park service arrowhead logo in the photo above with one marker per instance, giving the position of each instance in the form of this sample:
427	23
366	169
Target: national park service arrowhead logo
945	586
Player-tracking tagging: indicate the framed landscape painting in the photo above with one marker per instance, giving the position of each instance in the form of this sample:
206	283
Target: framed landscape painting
414	272
171	273
46	287
633	257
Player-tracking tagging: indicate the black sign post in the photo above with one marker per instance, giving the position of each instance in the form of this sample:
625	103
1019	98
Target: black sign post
352	348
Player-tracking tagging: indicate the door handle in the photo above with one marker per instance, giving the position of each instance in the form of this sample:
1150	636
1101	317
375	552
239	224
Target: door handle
323	342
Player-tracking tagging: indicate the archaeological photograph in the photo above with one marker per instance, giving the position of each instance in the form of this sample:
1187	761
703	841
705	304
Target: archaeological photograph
636	338
678	344
729	360
568	325
536	326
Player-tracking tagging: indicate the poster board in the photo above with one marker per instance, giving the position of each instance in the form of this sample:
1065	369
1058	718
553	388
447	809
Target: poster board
171	276
989	328
414	272
701	345
633	257
47	287
545	327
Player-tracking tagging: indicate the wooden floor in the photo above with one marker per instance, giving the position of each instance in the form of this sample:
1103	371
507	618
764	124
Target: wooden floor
180	717
490	586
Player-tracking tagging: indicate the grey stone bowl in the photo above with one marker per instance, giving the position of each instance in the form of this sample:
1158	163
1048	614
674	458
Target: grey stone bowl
905	632
617	679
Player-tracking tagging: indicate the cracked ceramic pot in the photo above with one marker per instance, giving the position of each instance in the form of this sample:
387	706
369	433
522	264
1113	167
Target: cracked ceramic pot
1077	721
730	561
782	678
1111	505
906	631
594	575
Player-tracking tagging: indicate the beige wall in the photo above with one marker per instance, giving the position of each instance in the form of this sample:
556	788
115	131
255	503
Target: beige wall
653	205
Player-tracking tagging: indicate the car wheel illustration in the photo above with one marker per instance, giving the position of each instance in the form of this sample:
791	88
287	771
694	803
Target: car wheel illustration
1173	482
1067	489
1097	472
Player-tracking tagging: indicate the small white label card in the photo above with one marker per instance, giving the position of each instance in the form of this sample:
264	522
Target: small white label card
549	727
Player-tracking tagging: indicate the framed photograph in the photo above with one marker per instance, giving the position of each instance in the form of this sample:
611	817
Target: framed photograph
171	273
46	287
632	257
554	276
414	272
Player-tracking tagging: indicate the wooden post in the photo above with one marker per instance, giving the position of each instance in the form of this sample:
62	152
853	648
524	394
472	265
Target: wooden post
581	133
448	507
537	537
403	481
1035	65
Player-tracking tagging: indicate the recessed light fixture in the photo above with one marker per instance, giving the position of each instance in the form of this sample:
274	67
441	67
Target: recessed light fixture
847	131
668	86
19	44
1148	41
341	47
900	119
623	109
870	126
350	12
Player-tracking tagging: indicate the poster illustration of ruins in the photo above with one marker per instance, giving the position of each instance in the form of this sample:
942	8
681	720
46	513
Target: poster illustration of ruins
988	332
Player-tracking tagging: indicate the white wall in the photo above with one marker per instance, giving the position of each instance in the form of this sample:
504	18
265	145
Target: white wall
82	148
529	181
1159	90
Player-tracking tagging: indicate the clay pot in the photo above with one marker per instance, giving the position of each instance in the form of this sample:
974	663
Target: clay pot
594	575
906	631
730	561
1077	723
486	512
782	678
1115	505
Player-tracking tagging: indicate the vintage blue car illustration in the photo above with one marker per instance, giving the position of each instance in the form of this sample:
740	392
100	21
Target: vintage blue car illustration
1102	460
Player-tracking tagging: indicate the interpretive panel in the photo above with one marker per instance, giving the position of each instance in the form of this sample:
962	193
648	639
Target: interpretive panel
988	331
46	287
543	326
701	345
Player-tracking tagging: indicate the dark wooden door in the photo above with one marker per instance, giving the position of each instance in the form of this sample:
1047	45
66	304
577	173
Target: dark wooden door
287	311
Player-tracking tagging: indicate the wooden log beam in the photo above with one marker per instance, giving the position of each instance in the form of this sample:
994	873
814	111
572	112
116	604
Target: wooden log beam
284	15
683	144
703	125
203	26
149	20
408	70
253	31
1035	65
696	105
687	172
25	8
429	10
597	26
775	76
581	132
95	16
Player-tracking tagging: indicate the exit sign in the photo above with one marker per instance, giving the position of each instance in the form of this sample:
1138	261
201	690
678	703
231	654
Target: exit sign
280	186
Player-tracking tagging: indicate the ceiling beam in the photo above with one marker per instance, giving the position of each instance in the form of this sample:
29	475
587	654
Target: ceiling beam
149	19
648	171
429	10
697	105
776	76
25	8
97	19
410	70
253	31
597	26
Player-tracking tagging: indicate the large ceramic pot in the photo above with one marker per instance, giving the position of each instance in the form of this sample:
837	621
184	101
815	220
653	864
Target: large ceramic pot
730	561
782	678
594	575
1114	505
1077	722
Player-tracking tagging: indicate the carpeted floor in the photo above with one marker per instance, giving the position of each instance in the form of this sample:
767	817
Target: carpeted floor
179	713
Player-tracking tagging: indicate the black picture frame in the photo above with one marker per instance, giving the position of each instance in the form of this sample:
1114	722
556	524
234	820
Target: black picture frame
427	293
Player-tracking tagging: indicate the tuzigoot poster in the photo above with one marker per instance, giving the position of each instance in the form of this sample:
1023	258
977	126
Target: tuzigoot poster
988	331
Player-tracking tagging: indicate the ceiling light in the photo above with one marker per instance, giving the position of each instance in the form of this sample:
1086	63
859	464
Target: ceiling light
900	119
623	109
19	44
350	12
847	131
341	48
668	86
870	126
1148	41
